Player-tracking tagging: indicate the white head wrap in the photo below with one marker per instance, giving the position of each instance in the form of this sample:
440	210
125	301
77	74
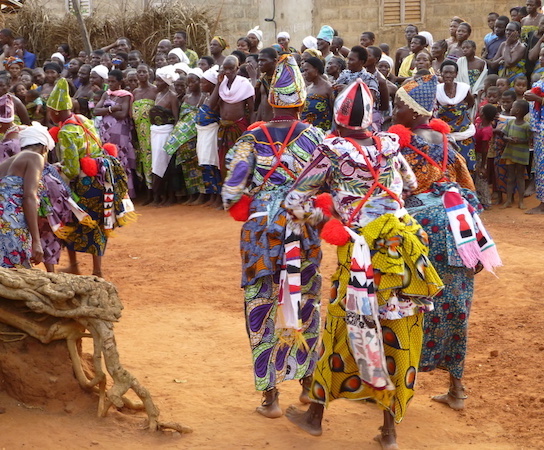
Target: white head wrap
283	34
429	37
310	42
196	71
180	54
388	60
182	66
258	34
36	134
211	75
101	71
58	56
167	74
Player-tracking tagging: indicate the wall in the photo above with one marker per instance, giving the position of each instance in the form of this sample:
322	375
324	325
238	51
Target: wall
349	17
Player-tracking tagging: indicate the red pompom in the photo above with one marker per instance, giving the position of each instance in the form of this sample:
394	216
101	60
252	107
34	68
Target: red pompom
440	126
54	132
240	210
89	166
111	149
256	125
334	233
324	201
537	91
404	134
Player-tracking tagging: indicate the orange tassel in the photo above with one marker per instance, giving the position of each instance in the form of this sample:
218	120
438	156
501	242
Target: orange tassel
111	149
334	233
256	125
440	126
89	166
240	210
404	134
324	201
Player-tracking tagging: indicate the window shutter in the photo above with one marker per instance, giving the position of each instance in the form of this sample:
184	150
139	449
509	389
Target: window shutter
85	7
400	12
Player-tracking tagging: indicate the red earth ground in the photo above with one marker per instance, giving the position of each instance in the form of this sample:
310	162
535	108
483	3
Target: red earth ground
182	335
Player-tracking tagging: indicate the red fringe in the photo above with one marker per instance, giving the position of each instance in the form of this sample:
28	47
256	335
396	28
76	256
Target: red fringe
54	132
440	126
111	149
240	210
324	201
334	233
404	134
89	166
256	125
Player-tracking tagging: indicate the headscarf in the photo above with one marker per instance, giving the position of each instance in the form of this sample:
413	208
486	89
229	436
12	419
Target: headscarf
180	54
211	75
36	134
388	60
326	33
429	37
283	34
354	101
196	71
52	66
59	56
258	34
287	88
8	62
167	74
221	41
182	66
314	52
101	71
59	99
310	42
7	108
419	94
277	47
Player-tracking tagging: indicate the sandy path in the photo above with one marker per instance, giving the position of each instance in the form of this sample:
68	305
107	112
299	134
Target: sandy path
177	272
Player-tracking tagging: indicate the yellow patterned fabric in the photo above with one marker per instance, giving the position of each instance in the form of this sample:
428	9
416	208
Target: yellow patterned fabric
59	99
399	258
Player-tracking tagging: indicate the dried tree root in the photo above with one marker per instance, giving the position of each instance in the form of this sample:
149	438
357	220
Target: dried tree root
78	303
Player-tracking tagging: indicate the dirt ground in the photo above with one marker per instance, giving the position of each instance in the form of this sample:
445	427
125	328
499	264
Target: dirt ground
178	271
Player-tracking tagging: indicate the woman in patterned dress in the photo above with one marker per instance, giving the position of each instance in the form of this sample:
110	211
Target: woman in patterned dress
282	350
439	169
384	282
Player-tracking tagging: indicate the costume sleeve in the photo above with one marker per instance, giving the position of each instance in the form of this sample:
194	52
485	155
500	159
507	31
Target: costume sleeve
240	162
315	175
408	177
70	143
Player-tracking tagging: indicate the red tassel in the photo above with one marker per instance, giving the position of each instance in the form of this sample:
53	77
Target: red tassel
111	149
89	166
334	233
404	134
440	126
54	132
240	210
324	201
256	125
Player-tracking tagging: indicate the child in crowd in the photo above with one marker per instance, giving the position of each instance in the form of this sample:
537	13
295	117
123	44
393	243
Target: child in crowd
492	96
490	80
518	136
96	98
484	133
502	84
34	105
496	171
160	60
180	86
520	86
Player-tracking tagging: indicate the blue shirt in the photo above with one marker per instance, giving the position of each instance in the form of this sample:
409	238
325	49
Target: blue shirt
488	37
29	59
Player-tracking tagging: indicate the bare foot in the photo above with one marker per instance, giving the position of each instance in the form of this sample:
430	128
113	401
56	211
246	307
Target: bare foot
306	384
538	210
71	269
387	440
98	274
309	421
454	403
521	205
271	406
507	204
